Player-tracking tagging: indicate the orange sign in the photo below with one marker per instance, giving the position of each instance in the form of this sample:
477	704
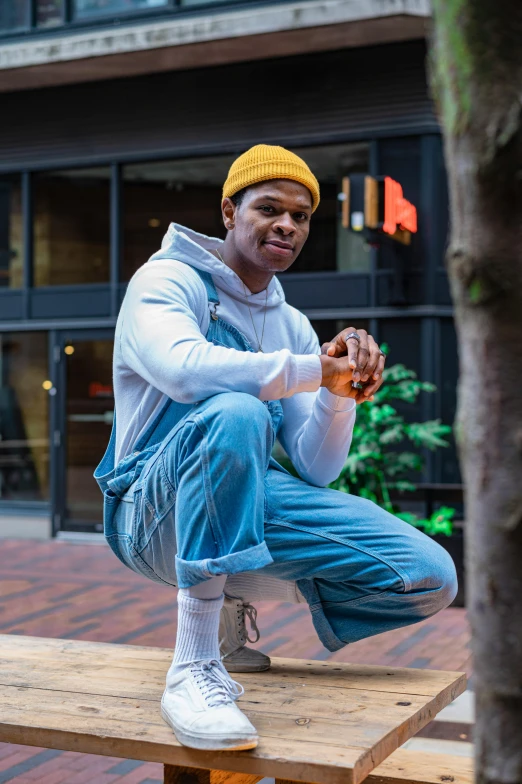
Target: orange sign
399	213
100	390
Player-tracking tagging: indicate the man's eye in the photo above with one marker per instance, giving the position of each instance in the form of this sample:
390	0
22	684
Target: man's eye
301	216
266	208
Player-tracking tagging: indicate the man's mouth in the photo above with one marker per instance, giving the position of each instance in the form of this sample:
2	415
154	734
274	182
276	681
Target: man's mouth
280	248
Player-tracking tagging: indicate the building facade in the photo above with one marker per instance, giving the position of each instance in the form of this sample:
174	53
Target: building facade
120	116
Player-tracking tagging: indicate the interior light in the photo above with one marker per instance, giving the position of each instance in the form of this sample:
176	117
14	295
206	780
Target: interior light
154	223
69	350
47	384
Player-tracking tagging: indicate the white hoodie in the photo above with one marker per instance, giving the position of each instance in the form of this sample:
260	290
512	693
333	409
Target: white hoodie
160	351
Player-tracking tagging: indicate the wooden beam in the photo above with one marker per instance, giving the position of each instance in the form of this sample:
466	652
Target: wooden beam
175	774
287	781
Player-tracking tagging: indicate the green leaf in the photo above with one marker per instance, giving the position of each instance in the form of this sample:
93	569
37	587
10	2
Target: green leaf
380	459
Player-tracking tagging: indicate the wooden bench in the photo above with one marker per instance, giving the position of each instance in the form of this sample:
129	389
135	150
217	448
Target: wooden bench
326	723
421	767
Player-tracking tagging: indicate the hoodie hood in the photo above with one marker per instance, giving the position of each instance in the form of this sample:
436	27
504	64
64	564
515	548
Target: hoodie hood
190	247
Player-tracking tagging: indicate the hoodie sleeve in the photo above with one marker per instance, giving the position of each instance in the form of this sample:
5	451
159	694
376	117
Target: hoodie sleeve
317	427
164	313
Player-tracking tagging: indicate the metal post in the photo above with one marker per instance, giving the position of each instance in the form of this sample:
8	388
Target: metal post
27	232
374	253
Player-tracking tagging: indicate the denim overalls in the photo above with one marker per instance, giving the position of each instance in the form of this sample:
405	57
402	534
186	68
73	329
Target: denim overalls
135	469
201	495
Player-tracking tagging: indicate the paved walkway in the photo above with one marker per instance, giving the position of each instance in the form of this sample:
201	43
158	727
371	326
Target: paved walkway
81	591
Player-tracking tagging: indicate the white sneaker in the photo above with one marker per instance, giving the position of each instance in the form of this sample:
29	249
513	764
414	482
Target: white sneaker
233	636
199	704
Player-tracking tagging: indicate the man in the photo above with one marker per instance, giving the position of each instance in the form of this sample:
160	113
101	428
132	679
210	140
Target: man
210	366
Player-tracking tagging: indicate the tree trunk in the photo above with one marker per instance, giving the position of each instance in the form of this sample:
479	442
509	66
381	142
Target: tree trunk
476	75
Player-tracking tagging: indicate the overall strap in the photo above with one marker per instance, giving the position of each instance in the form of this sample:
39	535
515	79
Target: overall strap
206	277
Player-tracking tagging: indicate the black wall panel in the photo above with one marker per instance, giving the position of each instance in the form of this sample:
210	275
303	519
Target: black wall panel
353	93
326	290
11	305
89	301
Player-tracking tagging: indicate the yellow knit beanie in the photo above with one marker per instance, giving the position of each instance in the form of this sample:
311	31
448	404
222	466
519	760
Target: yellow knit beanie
264	162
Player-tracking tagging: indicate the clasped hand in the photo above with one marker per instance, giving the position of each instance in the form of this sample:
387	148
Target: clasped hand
348	362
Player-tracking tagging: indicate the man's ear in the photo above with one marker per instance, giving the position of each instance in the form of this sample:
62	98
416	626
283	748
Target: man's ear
228	211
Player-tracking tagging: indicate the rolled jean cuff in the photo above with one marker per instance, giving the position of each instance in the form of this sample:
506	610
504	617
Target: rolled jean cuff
321	625
191	573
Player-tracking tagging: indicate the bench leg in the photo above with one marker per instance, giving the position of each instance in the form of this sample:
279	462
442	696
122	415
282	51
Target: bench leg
287	781
175	774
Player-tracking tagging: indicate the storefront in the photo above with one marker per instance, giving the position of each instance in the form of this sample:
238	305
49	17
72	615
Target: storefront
91	176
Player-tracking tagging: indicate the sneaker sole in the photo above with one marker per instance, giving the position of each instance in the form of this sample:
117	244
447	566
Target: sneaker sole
208	743
231	667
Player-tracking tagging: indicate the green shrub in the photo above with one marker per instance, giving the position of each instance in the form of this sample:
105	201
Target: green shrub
379	459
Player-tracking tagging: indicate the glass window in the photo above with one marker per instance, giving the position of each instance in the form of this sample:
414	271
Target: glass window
85	9
330	247
90	411
14	15
49	13
72	227
189	192
24	417
155	194
202	2
11	253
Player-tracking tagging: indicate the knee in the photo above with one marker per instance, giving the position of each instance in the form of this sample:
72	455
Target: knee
238	419
439	581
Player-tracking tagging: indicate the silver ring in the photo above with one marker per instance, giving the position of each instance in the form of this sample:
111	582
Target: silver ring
353	335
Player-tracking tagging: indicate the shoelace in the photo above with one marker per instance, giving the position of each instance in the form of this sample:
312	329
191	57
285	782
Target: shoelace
215	685
250	611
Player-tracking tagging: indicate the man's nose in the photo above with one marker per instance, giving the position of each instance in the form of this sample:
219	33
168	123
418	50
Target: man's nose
284	224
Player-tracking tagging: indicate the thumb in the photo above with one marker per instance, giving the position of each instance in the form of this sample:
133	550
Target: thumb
333	349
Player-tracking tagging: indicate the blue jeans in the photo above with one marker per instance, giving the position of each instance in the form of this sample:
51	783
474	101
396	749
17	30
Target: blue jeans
213	490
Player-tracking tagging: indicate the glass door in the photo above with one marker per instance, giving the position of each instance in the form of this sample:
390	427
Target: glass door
85	411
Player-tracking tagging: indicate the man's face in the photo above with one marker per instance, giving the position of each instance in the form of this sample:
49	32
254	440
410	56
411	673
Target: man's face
271	224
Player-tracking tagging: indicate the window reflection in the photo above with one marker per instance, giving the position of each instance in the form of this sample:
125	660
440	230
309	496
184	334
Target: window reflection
24	422
49	13
87	8
11	256
72	227
14	15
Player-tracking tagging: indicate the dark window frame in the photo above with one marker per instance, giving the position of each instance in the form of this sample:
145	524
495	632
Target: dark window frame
36	304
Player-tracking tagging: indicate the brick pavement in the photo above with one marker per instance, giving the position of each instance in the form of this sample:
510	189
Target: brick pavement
81	591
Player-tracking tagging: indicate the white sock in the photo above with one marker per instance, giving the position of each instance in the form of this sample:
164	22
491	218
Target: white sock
197	637
254	587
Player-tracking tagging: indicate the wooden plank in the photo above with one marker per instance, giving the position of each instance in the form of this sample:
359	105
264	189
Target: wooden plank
420	767
130	728
282	697
157	660
318	722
